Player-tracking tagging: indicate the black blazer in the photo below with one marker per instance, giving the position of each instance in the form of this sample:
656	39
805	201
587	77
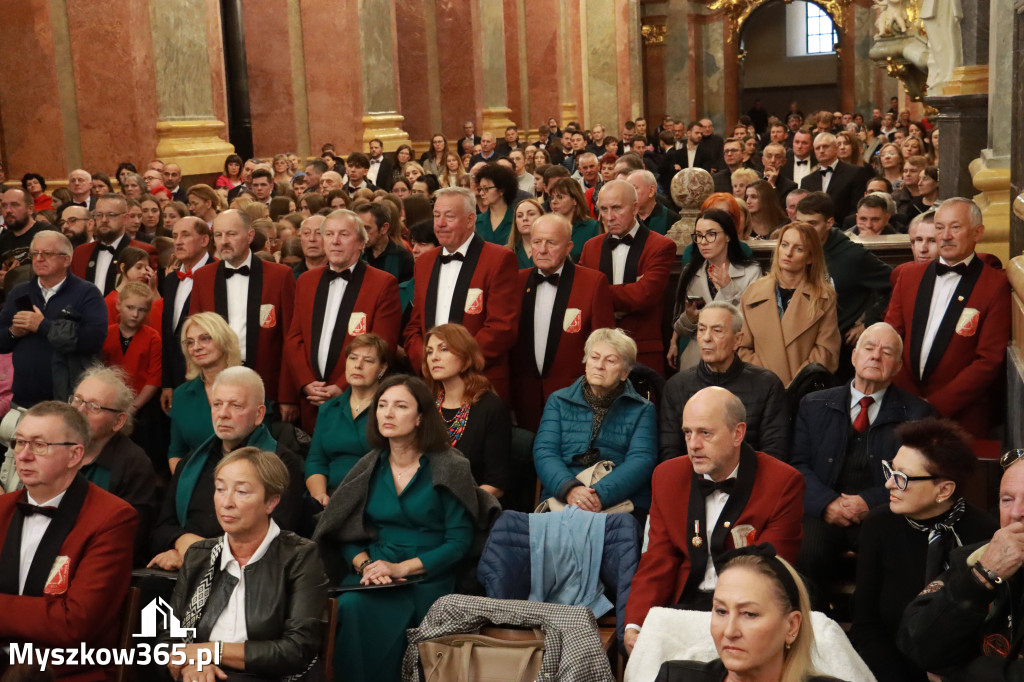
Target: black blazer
787	169
846	187
703	158
712	671
385	175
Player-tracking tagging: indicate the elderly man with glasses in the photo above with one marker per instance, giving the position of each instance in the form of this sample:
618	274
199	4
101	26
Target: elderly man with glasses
54	324
97	261
965	624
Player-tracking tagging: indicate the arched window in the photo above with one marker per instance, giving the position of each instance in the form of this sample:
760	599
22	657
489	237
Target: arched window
821	32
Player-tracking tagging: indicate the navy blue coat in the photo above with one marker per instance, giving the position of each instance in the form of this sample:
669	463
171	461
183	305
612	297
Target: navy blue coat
820	438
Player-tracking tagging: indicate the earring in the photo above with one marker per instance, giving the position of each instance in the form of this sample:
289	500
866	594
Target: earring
789	645
380	376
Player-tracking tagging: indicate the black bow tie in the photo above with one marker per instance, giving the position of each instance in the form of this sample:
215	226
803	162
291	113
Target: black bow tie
30	509
104	247
331	275
708	486
81	203
616	241
943	269
805	162
446	259
539	278
243	271
825	170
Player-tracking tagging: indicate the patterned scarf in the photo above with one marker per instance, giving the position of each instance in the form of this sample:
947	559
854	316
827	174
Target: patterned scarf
942	538
600	405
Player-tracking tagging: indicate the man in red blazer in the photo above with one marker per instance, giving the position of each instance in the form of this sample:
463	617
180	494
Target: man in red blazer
562	304
256	298
954	317
720	496
465	281
97	261
637	263
333	305
69	587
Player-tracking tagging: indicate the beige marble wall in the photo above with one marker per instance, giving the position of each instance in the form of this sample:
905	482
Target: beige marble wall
492	23
181	63
713	74
865	70
600	64
1000	79
677	60
380	91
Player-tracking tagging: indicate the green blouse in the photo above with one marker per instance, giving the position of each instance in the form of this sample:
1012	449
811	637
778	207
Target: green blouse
191	423
581	232
338	440
500	235
524	260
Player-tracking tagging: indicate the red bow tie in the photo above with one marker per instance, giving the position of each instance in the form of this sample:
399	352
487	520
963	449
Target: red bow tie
184	274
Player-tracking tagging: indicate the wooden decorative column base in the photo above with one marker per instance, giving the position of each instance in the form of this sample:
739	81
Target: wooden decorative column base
385	127
569	113
968	80
495	120
193	145
994	201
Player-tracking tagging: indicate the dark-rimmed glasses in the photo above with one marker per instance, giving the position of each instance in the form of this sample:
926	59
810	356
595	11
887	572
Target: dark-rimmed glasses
901	479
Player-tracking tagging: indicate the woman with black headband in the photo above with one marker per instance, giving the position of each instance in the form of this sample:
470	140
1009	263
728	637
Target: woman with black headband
905	546
760	621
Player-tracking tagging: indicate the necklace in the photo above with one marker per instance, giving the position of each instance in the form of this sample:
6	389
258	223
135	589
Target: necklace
399	473
357	409
457	424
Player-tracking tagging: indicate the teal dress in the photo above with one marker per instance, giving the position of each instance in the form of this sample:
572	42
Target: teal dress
500	235
191	423
524	260
581	232
422	521
338	440
405	293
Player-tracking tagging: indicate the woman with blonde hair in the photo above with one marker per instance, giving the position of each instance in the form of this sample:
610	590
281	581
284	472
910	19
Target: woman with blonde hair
741	178
453	170
204	202
789	315
282	170
411	171
527	212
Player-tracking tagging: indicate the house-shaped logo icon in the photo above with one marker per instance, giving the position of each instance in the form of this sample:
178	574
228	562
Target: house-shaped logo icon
157	616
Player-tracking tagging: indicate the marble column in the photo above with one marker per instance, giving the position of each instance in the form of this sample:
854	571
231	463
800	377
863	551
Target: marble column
677	62
544	75
418	74
187	129
600	77
570	35
496	111
1015	271
378	46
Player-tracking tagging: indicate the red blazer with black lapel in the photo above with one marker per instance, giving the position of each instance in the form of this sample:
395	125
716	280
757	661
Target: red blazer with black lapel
83	260
768	497
268	318
583	303
88	550
640	300
486	302
370	305
964	369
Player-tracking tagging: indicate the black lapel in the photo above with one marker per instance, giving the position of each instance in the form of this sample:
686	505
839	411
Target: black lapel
220	291
10	554
90	266
952	316
558	314
636	249
170	291
606	260
919	321
458	308
220	594
252	313
340	331
526	320
696	526
737	500
323	288
115	267
60	527
430	302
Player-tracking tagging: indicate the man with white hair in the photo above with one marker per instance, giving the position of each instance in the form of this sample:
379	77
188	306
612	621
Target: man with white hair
187	515
656	216
80	186
637	262
333	305
842	181
487	150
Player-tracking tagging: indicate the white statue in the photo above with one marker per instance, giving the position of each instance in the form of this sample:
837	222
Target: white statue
941	19
891	19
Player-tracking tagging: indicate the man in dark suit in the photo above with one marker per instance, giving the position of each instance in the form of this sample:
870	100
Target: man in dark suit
842	181
256	299
720	496
66	553
191	250
637	263
689	153
955	315
465	281
712	142
469	135
800	159
773	159
357	167
333	305
840	438
382	168
80	186
562	304
172	181
732	153
97	262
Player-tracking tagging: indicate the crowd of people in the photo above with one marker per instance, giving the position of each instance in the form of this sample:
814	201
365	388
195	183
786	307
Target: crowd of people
310	375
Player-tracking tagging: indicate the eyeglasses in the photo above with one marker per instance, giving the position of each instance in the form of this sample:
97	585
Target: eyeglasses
902	479
71	221
36	447
45	254
1010	457
91	407
108	216
705	237
482	189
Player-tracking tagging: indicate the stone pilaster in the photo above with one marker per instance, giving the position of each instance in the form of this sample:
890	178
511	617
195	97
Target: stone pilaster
377	50
496	111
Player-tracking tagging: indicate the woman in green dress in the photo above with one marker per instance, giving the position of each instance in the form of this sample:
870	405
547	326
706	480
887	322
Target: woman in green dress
567	199
406	510
340	439
210	346
527	212
496	188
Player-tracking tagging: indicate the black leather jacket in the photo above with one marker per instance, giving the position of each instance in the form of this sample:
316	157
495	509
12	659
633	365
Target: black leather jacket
285	598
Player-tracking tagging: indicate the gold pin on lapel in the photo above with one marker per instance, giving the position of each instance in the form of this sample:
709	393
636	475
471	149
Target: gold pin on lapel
726	524
960	298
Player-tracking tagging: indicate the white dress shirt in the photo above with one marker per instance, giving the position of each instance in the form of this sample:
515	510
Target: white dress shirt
826	178
49	293
104	259
32	530
542	311
691	155
238	299
230	625
181	294
942	295
371	175
873	408
446	280
713	506
801	169
335	292
619	255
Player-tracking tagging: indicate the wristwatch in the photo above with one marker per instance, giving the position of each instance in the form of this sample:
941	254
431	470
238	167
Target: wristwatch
990	576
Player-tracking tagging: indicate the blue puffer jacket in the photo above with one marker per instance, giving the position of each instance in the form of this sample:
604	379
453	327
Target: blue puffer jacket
628	438
504	567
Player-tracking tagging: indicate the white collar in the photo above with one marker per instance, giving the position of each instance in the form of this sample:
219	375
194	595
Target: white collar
227	557
965	261
54	288
734	474
463	249
52	502
248	261
856	395
556	272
